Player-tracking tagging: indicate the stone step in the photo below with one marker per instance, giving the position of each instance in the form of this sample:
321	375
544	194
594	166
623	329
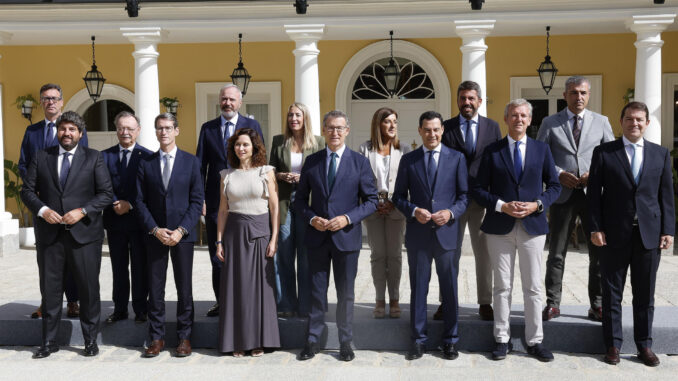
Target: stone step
572	332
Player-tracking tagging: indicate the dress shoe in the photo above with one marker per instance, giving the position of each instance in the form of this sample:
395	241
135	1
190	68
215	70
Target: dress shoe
449	351
116	316
155	348
309	351
550	313
648	357
346	352
91	349
612	356
45	350
501	350
379	310
540	352
394	309
72	310
183	349
141	318
37	314
213	311
596	314
438	315
416	352
486	312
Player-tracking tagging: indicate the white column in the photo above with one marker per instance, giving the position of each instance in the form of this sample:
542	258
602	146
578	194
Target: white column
648	85
306	82
146	89
472	33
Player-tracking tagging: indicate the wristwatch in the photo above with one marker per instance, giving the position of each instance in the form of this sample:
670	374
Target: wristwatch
540	206
83	211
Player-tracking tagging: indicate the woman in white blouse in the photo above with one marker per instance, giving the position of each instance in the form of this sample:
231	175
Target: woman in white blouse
385	228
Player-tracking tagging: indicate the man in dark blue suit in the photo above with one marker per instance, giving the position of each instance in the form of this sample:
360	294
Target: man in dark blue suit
40	136
431	190
339	183
125	235
212	145
630	195
168	202
516	182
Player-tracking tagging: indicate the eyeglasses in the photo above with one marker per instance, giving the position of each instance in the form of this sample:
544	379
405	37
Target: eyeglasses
126	129
164	129
50	99
335	129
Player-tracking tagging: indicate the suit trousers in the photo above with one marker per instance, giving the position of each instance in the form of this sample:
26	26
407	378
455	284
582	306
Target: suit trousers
385	236
614	263
503	249
292	285
561	223
345	267
211	228
182	266
419	261
128	253
84	263
70	288
473	217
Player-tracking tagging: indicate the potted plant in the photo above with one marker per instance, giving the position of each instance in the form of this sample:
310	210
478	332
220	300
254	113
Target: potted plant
25	103
171	104
629	95
12	190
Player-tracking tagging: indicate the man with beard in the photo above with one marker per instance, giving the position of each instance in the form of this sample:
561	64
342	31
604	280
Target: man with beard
67	187
212	146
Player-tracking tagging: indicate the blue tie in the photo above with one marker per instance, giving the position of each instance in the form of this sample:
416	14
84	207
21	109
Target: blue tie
123	163
635	162
432	168
517	161
49	136
65	167
468	142
226	133
332	171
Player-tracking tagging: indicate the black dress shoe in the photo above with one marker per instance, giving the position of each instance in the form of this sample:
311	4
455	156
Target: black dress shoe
612	356
416	352
213	311
449	351
45	350
438	315
141	318
116	316
648	357
346	352
500	350
540	352
91	349
309	351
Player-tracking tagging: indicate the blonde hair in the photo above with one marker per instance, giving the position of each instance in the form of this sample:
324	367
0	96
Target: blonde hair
309	141
375	136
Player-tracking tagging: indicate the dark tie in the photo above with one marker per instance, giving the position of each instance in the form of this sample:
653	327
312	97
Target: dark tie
123	162
332	171
517	161
50	135
469	143
226	133
166	171
576	130
432	168
65	167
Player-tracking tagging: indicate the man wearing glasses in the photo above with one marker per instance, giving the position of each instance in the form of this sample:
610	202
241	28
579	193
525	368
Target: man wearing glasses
40	136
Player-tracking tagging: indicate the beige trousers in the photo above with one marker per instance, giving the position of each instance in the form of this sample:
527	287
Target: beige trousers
474	218
385	237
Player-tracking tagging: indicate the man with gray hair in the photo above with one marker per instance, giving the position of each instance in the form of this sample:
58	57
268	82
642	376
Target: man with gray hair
572	134
516	183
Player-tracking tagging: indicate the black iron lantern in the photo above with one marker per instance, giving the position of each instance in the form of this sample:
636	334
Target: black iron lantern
240	76
94	80
391	72
547	69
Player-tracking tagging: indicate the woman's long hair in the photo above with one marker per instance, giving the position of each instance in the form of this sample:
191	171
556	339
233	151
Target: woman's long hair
309	141
258	149
375	137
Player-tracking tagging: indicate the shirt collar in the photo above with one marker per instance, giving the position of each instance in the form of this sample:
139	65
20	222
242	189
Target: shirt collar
62	150
129	149
571	115
511	141
640	142
474	119
172	153
233	120
339	152
47	122
437	149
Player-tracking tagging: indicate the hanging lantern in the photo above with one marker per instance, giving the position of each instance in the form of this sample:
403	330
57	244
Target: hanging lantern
94	80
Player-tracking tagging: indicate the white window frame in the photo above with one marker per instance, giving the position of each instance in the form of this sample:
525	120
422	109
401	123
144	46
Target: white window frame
669	84
595	100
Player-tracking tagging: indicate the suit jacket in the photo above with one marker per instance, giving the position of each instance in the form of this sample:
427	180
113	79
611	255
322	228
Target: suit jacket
124	186
450	190
614	197
213	158
488	133
555	131
497	180
88	186
281	160
353	194
180	204
34	141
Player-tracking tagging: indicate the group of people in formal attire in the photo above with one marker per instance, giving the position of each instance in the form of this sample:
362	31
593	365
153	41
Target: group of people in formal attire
277	226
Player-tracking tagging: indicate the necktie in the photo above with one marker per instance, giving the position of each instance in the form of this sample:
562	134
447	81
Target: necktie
635	162
122	164
166	170
65	167
468	142
432	168
517	161
576	130
227	134
49	136
332	171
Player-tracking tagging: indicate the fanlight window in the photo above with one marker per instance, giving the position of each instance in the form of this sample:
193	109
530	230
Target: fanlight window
414	83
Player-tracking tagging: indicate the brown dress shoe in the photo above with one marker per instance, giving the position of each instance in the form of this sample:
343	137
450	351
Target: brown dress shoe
486	312
612	356
394	309
184	348
72	310
648	357
550	313
596	314
37	314
438	315
155	348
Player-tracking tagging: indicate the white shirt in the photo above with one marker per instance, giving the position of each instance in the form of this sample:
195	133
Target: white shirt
170	161
383	164
512	148
570	118
231	128
296	160
339	152
629	150
130	149
436	156
60	160
474	126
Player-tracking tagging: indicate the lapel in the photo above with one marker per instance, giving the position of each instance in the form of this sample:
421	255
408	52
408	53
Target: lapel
76	164
287	156
323	173
420	168
176	165
157	171
396	154
505	154
586	127
442	169
41	136
456	132
343	164
53	165
372	156
565	125
620	152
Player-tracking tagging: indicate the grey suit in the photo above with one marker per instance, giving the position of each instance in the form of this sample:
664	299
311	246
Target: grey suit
556	131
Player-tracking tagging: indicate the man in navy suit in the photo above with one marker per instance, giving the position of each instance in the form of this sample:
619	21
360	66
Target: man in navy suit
125	235
212	145
630	194
510	185
40	136
168	202
431	190
470	133
339	183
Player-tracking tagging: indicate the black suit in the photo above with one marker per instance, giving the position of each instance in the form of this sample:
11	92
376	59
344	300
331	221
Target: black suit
78	246
615	200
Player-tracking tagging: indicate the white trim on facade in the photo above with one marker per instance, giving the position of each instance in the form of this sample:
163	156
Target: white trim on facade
81	101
